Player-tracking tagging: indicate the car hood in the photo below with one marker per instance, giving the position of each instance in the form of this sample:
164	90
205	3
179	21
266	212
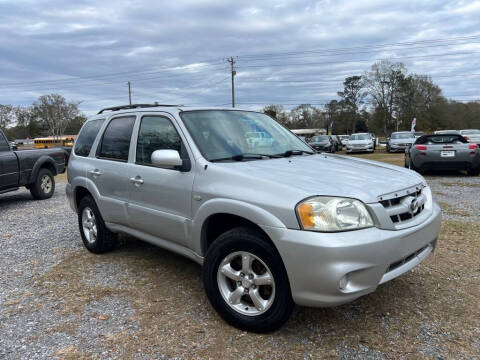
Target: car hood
322	174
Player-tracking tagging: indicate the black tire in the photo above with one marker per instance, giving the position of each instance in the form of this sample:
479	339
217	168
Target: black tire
105	240
243	239
474	171
44	185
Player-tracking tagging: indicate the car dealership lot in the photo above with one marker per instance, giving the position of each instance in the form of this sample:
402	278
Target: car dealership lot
142	302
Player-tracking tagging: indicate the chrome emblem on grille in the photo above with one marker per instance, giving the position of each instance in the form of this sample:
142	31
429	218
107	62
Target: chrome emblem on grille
413	207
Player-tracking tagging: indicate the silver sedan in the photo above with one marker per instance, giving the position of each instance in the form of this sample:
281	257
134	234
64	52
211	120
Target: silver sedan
443	152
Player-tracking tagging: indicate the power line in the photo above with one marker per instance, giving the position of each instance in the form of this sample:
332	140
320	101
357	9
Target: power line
114	75
358	60
462	38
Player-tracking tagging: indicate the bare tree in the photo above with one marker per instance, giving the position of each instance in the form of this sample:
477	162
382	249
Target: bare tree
6	116
352	96
54	113
383	83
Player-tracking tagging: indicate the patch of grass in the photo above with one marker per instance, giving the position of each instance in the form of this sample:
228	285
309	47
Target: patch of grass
433	306
381	154
61	177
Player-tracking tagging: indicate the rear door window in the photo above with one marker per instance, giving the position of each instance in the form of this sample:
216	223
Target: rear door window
116	139
87	136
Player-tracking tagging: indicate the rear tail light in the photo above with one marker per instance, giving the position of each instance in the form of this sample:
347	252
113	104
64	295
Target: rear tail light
472	146
421	147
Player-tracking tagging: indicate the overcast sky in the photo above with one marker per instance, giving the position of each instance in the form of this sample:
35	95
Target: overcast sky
287	52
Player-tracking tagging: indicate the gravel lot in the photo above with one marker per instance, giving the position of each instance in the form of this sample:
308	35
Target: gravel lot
140	302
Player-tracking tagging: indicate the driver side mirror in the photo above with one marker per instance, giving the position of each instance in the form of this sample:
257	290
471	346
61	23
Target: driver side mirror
169	159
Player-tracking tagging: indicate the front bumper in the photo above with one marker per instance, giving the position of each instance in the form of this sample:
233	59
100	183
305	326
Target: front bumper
328	269
359	148
395	147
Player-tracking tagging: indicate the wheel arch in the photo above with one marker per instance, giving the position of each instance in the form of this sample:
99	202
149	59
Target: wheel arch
44	162
220	215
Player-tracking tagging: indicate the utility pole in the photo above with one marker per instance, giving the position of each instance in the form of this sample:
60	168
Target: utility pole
129	94
231	60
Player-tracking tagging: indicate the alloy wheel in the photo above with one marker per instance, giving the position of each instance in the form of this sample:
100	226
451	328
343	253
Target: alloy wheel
246	283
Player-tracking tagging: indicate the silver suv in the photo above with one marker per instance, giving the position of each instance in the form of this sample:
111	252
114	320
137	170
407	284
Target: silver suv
273	223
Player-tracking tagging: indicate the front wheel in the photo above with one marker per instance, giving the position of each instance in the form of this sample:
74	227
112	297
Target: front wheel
44	185
246	282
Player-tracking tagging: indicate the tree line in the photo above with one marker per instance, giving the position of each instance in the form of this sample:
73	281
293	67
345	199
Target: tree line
49	115
384	99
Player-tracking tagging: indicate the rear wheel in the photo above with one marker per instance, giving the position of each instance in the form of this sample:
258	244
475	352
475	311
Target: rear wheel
412	166
44	185
246	282
95	235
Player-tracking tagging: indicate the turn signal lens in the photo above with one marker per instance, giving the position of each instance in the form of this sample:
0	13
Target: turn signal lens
305	211
421	147
472	146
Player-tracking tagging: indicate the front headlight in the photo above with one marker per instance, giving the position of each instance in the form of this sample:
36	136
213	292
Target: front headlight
330	214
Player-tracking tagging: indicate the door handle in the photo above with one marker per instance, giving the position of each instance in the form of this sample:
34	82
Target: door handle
137	180
95	172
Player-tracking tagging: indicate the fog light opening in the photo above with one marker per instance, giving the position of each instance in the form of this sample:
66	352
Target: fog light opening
343	283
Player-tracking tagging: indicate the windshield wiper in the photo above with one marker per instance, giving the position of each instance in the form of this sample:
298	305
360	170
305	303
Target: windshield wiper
245	156
289	153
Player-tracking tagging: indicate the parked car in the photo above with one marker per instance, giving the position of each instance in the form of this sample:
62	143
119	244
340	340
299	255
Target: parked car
344	139
34	169
13	146
399	141
471	135
443	152
417	134
440	132
271	227
338	142
323	143
360	142
374	139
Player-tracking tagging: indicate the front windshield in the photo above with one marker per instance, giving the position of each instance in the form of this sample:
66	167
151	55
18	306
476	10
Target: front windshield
403	136
321	138
222	134
359	137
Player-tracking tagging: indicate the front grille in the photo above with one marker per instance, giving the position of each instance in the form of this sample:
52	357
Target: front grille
406	259
404	208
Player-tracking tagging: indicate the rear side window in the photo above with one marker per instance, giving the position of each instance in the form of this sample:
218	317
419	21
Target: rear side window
156	133
116	139
87	136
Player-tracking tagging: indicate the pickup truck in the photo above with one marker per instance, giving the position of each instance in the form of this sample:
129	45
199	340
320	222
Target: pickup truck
34	169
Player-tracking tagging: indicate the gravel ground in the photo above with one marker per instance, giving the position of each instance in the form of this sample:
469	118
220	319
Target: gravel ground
140	302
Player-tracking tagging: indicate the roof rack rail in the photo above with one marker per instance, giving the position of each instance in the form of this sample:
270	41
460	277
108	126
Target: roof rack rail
133	106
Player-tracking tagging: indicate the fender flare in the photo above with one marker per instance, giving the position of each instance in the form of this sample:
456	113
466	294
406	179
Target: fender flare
87	184
253	213
42	160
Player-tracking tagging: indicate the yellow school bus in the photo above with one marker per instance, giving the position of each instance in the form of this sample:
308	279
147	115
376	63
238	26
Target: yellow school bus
54	141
